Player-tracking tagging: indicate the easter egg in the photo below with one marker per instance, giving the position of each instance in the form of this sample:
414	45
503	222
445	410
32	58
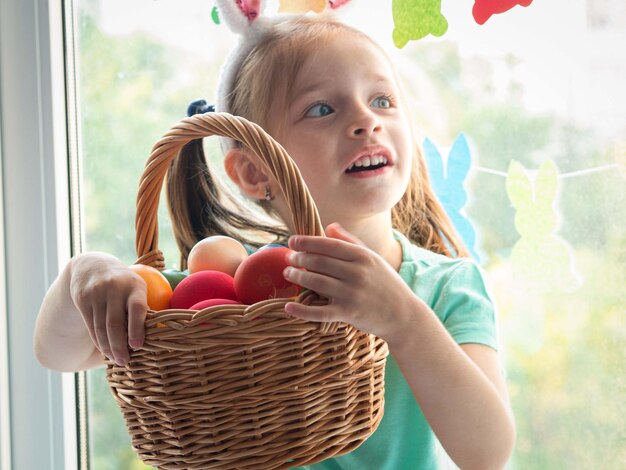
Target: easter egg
201	286
271	245
212	303
260	276
159	289
217	253
174	276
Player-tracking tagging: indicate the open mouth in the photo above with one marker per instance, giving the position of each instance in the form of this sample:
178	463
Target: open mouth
368	163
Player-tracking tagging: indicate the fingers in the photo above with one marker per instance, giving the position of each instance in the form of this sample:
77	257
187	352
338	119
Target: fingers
100	329
87	314
137	311
333	247
109	322
339	269
319	283
329	265
309	312
112	301
125	318
335	230
116	331
338	243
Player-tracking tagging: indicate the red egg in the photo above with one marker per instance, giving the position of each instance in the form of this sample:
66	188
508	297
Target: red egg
201	286
260	276
213	302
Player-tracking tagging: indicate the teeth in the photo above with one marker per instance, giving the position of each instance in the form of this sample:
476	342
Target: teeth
369	161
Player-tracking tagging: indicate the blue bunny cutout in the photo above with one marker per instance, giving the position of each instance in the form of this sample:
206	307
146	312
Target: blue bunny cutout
448	185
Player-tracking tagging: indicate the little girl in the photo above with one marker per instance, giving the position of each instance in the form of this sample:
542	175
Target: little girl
391	263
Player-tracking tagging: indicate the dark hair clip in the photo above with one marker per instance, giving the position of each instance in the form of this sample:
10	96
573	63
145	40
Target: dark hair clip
199	107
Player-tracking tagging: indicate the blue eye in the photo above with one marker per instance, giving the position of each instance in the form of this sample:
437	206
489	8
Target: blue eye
382	102
319	110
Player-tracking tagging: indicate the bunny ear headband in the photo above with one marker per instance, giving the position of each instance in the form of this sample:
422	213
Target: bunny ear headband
245	18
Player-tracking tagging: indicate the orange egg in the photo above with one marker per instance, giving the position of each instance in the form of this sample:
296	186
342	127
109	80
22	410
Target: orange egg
216	253
159	289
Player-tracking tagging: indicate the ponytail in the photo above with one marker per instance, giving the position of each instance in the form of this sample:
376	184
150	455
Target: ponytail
201	206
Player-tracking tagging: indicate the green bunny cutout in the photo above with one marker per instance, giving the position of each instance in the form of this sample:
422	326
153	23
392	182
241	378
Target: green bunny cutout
540	258
415	19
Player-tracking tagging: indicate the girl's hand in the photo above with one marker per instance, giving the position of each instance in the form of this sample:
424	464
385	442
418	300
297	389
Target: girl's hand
112	301
361	286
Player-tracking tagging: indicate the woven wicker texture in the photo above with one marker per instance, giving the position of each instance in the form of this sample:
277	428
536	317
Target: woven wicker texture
243	387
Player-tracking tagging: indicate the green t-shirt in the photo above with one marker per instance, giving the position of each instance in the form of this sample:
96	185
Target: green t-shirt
455	290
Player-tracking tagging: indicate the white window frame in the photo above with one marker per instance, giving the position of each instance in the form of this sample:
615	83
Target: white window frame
37	406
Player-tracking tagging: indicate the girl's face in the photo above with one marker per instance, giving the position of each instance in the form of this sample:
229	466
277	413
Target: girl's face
347	131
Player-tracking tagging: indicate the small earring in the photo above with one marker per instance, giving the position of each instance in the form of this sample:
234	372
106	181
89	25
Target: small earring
268	193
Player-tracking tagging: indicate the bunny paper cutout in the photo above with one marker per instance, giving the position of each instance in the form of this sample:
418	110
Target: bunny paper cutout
448	185
540	258
415	19
484	9
304	6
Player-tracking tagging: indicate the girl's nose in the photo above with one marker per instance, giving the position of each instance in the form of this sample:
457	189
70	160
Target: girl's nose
365	124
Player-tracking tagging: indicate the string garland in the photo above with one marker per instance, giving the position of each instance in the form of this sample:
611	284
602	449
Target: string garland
413	19
571	174
540	257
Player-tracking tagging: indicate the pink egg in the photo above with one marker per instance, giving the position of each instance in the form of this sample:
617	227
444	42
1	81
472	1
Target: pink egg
201	286
216	253
213	302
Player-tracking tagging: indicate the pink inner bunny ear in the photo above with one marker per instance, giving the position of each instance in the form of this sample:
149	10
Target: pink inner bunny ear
240	15
250	8
334	4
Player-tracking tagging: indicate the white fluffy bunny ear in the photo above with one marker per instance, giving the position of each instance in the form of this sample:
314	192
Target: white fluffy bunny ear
240	14
243	17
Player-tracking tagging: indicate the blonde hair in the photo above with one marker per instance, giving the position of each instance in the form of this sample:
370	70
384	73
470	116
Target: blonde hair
263	85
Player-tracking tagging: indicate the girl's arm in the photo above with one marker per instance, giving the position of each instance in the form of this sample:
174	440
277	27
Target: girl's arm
459	388
84	314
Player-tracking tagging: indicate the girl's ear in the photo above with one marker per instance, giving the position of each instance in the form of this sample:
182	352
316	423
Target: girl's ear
247	172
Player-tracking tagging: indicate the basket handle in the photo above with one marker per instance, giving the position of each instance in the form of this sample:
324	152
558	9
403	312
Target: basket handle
306	220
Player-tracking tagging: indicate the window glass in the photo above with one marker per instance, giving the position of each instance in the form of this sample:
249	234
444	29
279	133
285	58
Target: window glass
533	99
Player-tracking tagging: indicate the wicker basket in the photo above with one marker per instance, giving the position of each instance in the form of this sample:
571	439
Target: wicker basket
255	389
